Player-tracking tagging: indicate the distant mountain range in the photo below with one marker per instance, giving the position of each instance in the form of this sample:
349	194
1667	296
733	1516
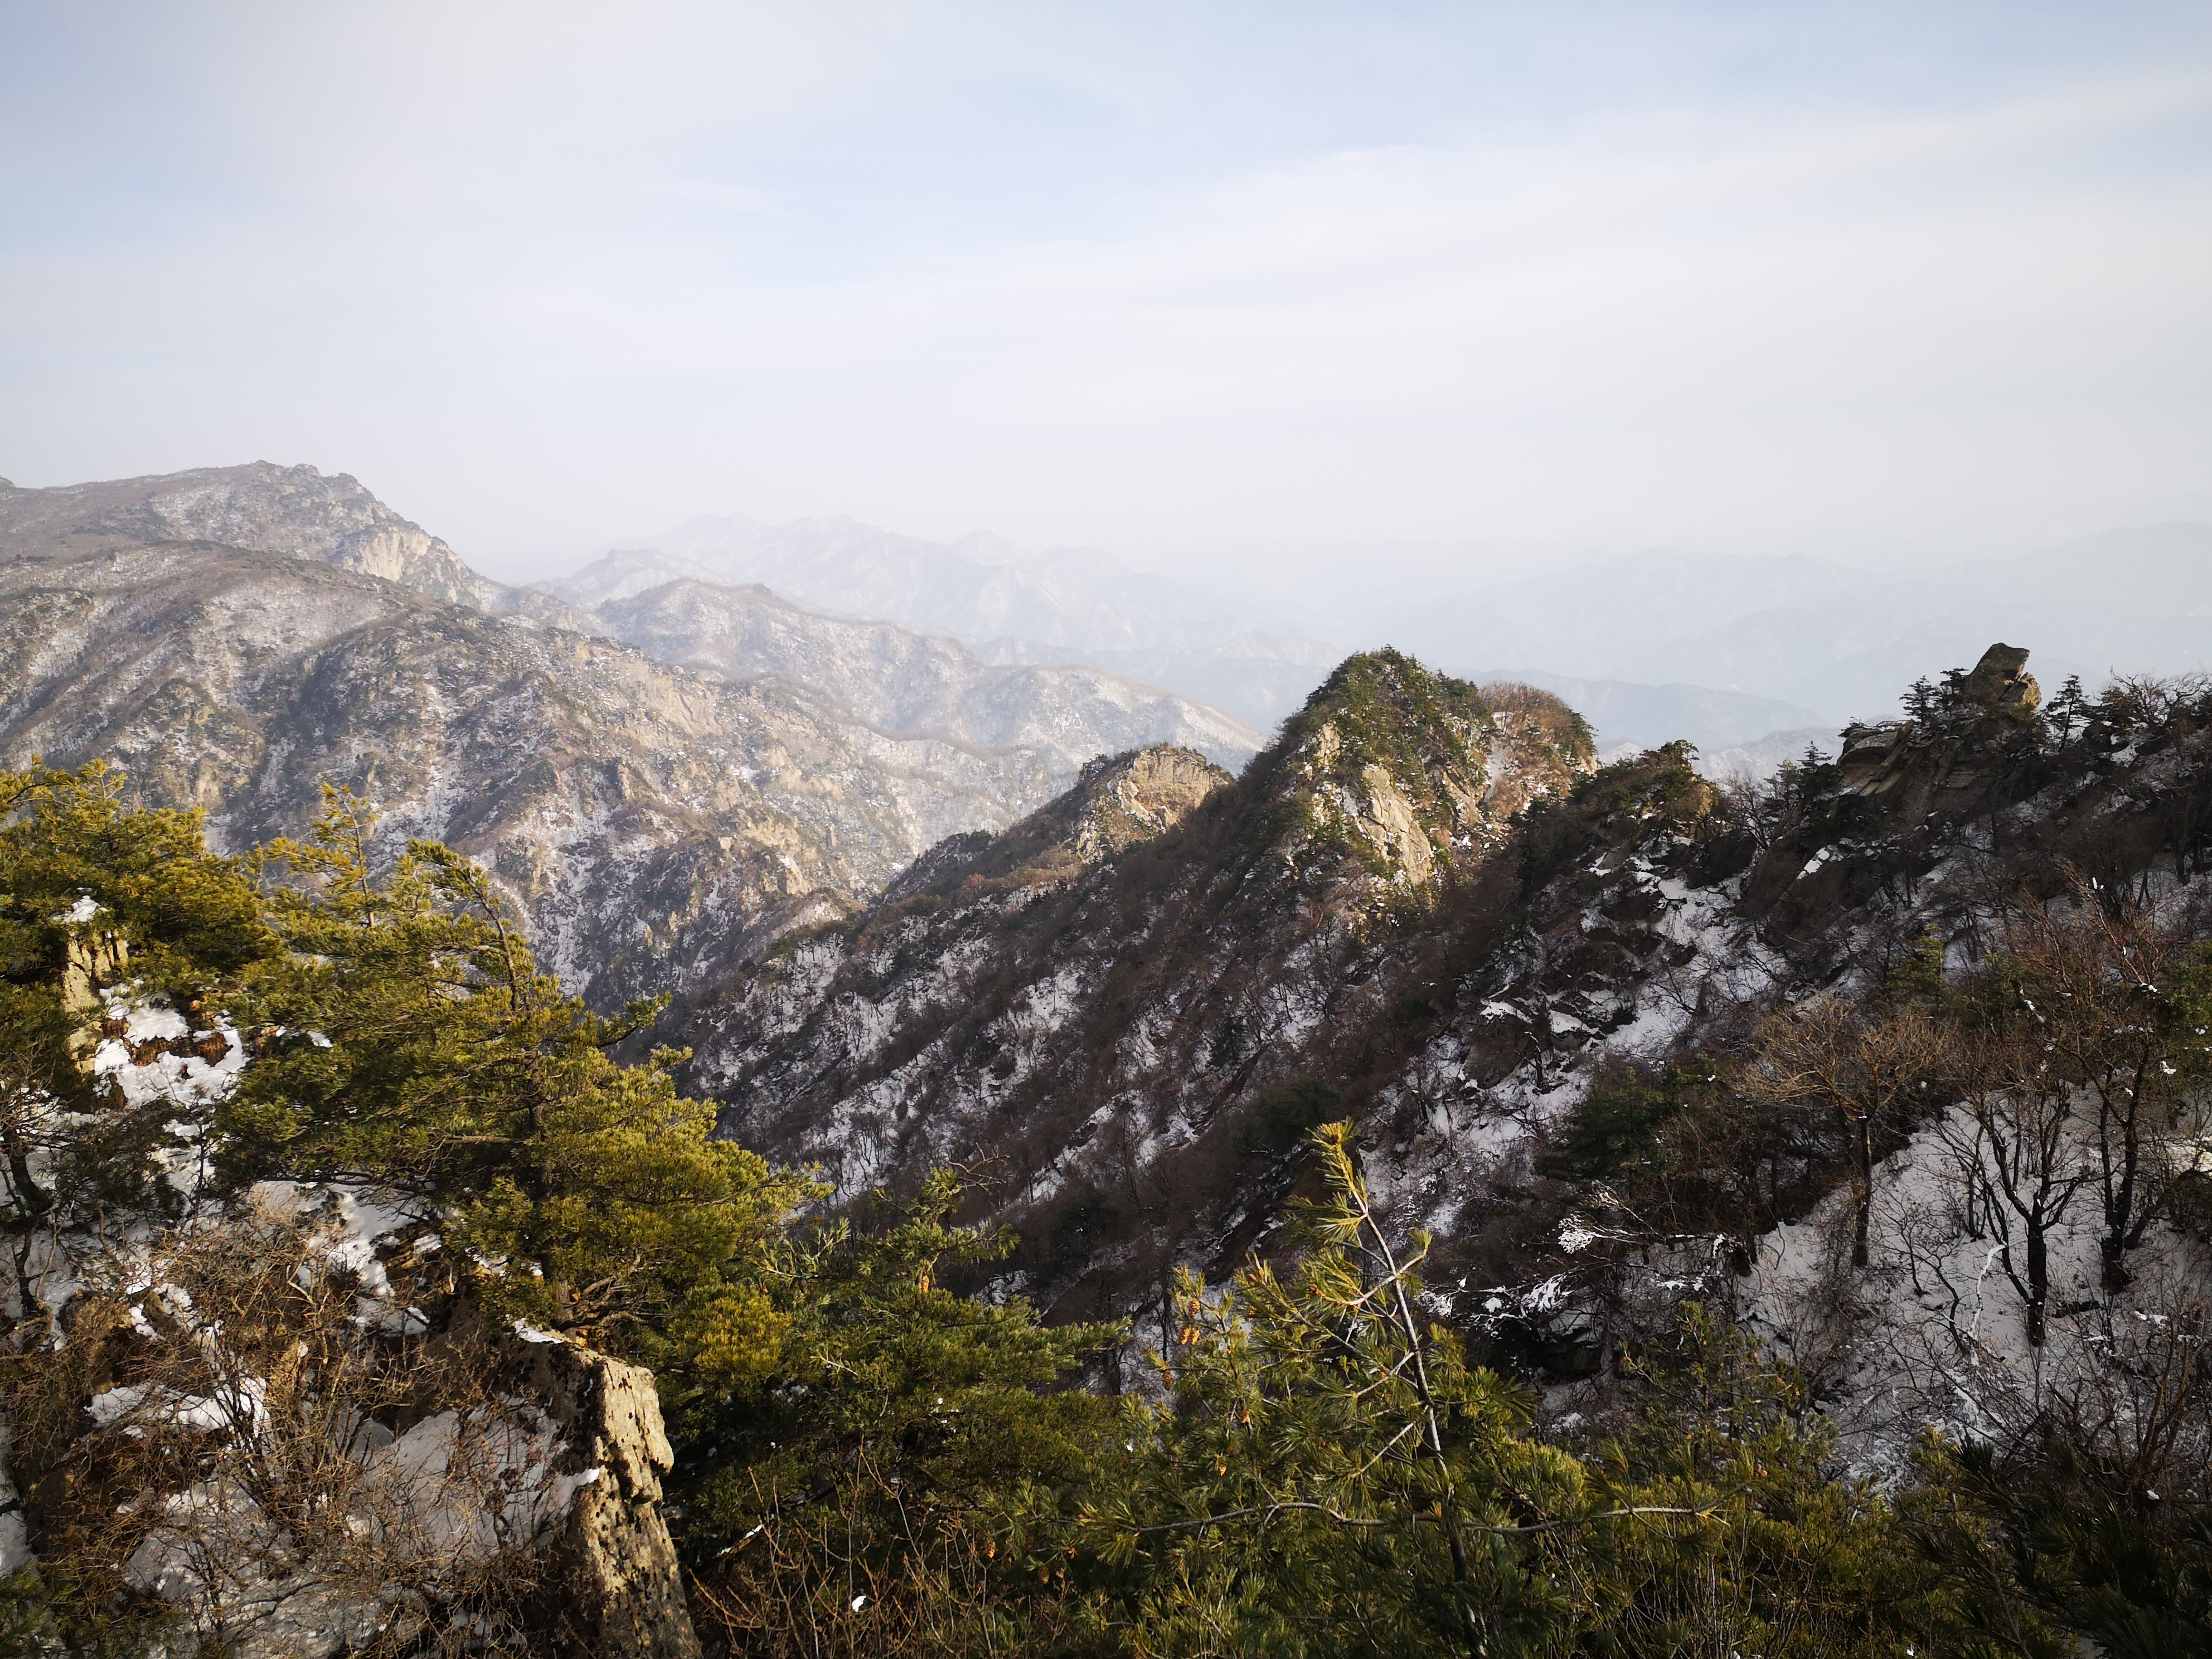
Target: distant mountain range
681	751
1742	655
1081	606
1628	715
914	682
1068	606
1823	636
236	637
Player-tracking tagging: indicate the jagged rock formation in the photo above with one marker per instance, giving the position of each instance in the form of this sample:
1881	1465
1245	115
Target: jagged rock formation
1118	801
1999	687
237	637
1133	798
1124	1053
1126	1038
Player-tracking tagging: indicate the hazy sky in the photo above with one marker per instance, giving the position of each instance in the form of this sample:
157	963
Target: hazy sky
1164	277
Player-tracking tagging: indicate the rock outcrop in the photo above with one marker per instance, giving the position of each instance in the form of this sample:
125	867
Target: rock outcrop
618	1585
1999	686
1132	798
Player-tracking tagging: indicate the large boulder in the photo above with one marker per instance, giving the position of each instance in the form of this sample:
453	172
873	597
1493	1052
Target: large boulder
1999	687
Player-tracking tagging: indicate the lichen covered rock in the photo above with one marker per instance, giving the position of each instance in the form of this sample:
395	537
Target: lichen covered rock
618	1586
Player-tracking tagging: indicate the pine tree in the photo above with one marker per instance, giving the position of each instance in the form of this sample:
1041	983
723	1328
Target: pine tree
413	1043
2069	711
98	900
1326	1474
1747	1538
883	1465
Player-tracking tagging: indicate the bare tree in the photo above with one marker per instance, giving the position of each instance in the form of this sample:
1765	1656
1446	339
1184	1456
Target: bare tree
1865	1071
246	1432
2017	1146
2113	995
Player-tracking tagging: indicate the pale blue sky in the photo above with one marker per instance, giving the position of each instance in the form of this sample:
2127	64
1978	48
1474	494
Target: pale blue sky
1174	278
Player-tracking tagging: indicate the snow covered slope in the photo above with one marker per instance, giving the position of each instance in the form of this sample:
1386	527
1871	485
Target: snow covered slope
1424	910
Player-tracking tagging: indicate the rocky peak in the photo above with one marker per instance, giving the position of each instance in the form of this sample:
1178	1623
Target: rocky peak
1408	772
1997	695
1118	801
1122	800
292	510
1999	687
1150	1027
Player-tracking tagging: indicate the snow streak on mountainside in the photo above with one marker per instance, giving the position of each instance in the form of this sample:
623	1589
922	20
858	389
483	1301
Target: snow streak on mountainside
1119	1041
1124	1049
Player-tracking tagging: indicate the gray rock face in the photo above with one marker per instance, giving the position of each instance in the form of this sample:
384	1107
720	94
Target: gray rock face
292	510
655	824
647	820
620	1584
2000	686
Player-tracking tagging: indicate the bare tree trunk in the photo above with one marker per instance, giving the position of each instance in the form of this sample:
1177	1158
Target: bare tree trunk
2039	1283
1862	1189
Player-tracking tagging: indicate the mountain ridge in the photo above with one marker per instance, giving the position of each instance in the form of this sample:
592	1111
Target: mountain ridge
896	677
1016	1008
651	822
1125	1054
